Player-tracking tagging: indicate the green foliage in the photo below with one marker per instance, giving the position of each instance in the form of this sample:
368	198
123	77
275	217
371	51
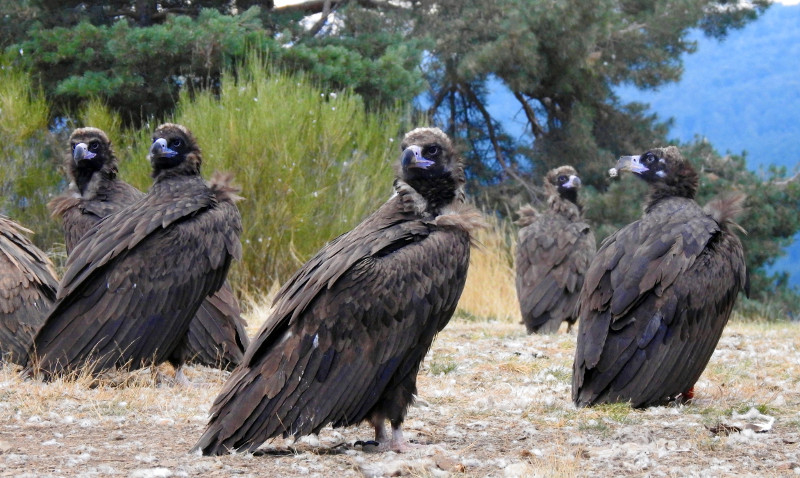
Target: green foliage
311	163
140	71
28	155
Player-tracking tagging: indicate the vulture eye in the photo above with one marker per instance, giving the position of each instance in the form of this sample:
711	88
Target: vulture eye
94	145
175	143
562	179
649	158
433	150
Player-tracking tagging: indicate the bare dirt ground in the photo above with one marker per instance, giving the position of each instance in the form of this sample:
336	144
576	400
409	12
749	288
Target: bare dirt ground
493	402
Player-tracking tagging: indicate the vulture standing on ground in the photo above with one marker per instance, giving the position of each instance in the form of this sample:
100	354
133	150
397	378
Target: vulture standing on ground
133	285
217	336
349	330
27	290
659	291
553	253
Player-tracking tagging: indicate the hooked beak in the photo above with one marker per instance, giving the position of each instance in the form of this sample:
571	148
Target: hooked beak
574	182
412	158
632	164
159	150
82	152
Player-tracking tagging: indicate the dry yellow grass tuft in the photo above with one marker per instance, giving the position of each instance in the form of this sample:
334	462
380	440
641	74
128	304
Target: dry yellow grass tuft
490	291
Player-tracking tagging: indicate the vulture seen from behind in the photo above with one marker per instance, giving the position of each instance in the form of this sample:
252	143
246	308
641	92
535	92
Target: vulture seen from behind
349	330
134	282
27	290
216	336
553	252
659	291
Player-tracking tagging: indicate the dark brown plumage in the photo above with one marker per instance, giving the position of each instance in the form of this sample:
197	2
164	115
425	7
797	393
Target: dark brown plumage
27	290
553	252
349	330
216	335
658	293
133	285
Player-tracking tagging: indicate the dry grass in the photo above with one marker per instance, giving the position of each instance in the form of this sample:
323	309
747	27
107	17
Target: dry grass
493	401
490	291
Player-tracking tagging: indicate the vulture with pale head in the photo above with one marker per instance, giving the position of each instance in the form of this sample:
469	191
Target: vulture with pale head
349	330
659	291
553	252
216	336
134	283
27	290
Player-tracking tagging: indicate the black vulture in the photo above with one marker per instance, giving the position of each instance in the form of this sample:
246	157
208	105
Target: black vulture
133	285
28	286
553	252
658	293
217	335
349	330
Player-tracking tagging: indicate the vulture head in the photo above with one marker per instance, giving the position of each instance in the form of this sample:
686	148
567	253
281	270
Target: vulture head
430	165
91	152
564	182
665	170
175	151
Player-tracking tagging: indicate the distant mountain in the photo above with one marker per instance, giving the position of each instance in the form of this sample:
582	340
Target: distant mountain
743	95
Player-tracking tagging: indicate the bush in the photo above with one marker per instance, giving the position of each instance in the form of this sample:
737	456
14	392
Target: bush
28	156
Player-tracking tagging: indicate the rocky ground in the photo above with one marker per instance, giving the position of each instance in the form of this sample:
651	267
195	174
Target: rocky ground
493	402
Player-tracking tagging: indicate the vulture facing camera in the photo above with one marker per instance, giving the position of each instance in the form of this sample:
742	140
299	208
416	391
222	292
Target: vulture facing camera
553	252
349	330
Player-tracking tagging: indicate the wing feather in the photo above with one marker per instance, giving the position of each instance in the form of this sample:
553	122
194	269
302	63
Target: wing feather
552	257
27	290
131	301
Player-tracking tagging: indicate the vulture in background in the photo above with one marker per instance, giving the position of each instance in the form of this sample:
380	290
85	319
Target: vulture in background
134	283
349	330
553	252
217	336
659	291
27	290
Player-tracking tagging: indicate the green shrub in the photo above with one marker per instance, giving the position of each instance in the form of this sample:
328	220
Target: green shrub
311	163
28	156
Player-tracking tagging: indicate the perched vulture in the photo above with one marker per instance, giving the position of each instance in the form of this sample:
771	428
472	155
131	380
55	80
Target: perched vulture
217	335
134	283
659	291
553	253
27	290
349	330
